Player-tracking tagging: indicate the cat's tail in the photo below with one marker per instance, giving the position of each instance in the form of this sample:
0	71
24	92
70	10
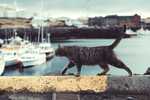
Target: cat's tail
117	41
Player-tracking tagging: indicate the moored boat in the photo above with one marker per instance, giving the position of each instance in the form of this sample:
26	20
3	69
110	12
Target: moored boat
45	48
10	56
32	57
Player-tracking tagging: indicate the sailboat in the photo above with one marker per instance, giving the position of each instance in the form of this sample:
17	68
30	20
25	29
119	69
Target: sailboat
22	51
45	46
27	54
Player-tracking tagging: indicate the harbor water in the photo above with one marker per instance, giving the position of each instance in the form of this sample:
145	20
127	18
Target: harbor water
134	52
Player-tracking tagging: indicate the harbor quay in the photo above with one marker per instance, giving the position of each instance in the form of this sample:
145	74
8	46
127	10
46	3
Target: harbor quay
75	88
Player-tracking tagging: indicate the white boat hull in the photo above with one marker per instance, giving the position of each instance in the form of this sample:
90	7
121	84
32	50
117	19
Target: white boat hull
2	66
34	60
45	48
32	63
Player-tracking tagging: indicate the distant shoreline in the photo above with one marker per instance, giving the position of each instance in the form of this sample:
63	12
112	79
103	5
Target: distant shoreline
64	33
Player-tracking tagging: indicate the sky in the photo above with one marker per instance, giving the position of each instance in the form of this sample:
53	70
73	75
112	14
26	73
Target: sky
80	8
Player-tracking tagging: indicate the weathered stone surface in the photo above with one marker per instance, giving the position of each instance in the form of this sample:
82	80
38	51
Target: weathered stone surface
53	84
66	96
112	97
89	84
129	85
26	96
75	88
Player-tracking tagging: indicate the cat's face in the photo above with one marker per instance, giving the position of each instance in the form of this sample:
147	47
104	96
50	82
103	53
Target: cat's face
60	51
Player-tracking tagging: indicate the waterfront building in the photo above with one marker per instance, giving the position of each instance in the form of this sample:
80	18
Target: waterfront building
130	21
96	21
56	23
115	20
111	20
145	23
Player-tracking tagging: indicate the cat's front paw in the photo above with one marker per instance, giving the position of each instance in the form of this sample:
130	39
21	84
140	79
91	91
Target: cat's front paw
77	75
71	74
100	74
130	75
63	74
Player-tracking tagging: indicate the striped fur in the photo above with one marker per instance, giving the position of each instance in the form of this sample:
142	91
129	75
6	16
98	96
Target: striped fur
100	55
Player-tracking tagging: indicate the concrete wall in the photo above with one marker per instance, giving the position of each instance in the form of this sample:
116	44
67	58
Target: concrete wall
75	88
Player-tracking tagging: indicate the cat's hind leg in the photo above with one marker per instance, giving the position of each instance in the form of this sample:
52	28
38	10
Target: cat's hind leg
105	68
70	65
119	64
79	66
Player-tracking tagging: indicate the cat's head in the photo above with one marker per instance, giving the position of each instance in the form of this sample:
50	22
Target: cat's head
60	51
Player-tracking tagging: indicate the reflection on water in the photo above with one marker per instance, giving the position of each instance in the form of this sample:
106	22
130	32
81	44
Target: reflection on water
134	52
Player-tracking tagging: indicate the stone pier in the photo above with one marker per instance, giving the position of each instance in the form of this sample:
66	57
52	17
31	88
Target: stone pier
75	88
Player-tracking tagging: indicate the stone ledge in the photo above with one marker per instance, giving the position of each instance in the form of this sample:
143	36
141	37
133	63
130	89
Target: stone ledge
42	84
70	84
138	84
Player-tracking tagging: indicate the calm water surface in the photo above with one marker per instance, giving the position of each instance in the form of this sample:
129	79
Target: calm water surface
134	52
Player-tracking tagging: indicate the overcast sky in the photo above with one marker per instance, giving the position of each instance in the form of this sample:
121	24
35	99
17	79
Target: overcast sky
82	8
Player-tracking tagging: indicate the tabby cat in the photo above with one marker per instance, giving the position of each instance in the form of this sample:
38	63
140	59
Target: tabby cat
100	55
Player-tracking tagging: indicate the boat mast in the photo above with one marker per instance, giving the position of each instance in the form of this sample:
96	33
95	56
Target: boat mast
48	37
42	30
15	27
39	33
